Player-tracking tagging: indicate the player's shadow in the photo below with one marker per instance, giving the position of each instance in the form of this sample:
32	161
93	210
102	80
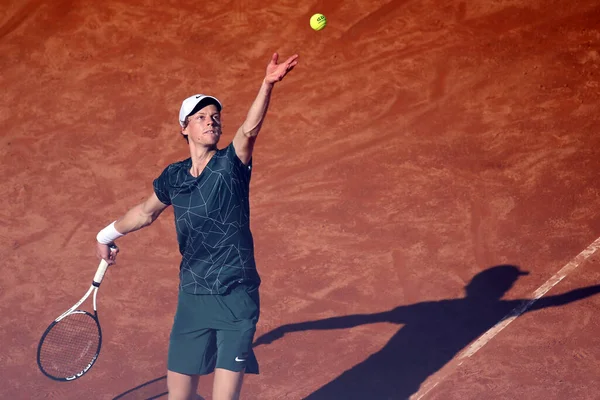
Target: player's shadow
433	333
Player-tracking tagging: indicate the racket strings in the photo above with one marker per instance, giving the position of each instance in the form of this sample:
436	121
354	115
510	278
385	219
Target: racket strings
70	345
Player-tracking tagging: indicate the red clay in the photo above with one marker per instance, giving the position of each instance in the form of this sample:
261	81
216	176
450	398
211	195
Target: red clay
416	145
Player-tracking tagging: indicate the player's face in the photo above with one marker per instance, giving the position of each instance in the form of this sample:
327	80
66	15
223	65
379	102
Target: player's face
204	127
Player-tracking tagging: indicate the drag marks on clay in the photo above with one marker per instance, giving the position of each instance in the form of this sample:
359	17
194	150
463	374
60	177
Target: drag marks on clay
461	11
15	20
52	11
503	20
438	86
376	18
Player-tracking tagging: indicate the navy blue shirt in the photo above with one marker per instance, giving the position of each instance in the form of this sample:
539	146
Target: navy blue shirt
212	218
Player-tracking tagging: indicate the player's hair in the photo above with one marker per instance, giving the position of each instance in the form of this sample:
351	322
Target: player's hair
185	124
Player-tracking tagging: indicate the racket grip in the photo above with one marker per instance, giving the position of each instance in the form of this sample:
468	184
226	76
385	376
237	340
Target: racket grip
100	273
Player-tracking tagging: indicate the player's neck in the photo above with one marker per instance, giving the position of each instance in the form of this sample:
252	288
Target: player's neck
200	156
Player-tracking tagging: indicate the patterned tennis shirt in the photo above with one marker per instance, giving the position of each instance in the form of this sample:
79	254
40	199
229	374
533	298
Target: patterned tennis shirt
212	219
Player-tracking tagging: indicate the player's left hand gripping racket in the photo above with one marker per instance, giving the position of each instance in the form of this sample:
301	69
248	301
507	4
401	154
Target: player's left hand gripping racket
70	345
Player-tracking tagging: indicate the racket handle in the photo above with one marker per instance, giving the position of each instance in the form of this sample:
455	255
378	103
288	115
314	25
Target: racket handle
101	270
100	273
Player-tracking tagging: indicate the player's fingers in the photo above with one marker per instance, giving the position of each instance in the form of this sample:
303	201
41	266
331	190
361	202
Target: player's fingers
101	252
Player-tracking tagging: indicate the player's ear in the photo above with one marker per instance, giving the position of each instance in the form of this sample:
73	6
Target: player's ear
184	133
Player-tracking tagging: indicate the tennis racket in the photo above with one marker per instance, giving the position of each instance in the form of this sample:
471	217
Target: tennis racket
71	344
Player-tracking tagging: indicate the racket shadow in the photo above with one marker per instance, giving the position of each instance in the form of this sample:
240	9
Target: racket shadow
153	389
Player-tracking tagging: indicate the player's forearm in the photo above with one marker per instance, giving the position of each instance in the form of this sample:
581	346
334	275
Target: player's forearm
258	110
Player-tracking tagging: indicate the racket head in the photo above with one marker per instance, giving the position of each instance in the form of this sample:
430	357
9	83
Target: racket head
70	346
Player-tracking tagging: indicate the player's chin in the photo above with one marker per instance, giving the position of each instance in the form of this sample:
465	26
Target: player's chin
214	137
210	138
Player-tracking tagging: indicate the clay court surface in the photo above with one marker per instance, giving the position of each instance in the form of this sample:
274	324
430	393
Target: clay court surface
417	145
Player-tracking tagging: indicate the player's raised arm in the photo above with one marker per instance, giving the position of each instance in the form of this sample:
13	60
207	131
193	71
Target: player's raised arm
244	139
136	218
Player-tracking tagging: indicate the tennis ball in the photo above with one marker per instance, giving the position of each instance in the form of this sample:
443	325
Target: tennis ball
318	22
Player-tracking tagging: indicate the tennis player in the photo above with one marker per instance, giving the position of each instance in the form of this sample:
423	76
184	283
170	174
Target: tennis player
218	305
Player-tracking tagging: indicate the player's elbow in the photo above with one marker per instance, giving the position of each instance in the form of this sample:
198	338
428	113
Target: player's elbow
154	216
146	219
250	131
252	134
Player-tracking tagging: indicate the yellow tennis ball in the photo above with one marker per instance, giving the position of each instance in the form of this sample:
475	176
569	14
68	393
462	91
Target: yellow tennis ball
318	22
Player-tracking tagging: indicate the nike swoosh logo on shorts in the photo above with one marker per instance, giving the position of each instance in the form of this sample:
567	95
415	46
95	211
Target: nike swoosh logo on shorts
240	359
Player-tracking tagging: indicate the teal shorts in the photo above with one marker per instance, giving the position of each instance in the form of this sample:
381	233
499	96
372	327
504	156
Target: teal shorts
214	331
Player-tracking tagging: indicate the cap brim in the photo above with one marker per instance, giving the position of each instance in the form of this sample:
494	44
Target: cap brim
203	103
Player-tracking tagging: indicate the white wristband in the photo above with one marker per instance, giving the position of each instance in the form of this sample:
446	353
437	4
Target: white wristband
108	234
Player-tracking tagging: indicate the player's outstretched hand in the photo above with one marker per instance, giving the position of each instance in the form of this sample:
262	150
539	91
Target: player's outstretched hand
276	72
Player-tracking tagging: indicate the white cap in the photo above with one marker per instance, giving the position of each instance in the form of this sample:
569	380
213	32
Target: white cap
190	105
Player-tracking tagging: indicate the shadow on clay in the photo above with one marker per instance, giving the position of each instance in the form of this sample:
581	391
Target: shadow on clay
154	389
433	333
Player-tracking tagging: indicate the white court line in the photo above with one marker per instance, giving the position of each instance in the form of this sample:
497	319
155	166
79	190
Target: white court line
504	322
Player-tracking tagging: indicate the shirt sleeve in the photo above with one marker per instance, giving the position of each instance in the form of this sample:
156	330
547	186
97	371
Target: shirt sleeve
240	166
161	187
